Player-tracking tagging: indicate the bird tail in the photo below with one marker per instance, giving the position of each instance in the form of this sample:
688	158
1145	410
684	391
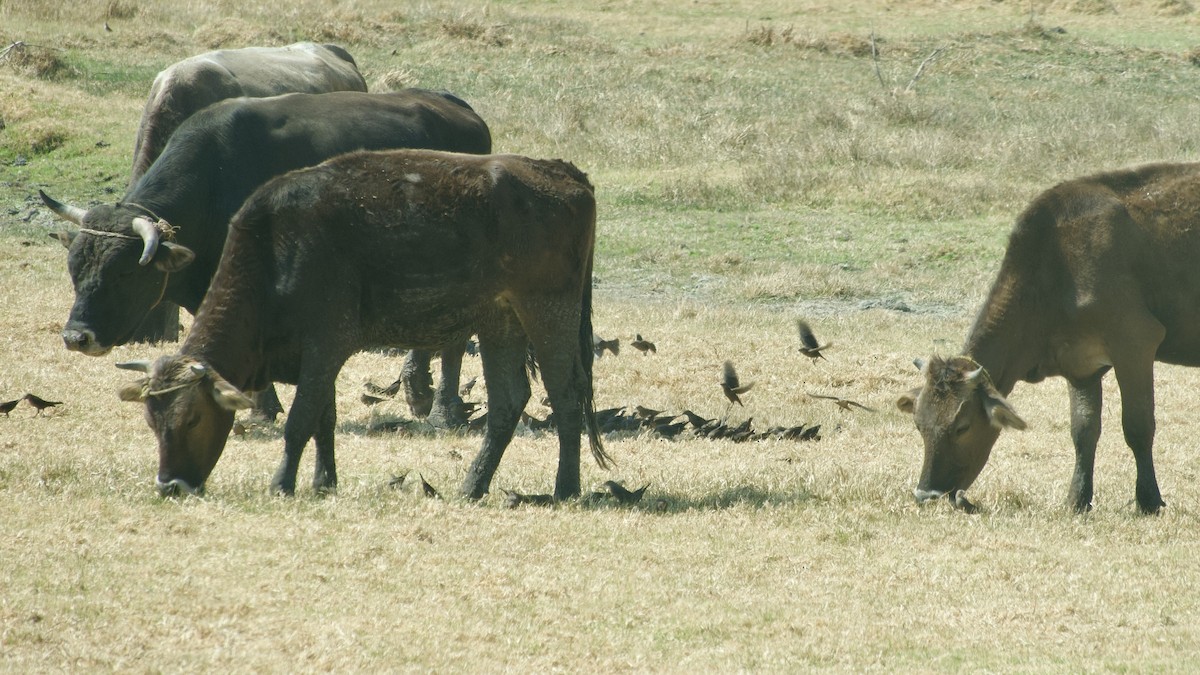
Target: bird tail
587	356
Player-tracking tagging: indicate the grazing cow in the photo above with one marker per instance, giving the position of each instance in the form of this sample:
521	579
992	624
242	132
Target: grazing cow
186	87
163	240
194	83
404	248
1100	274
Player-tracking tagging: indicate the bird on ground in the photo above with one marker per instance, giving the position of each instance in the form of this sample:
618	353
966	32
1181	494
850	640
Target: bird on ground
622	494
843	403
40	403
428	489
732	386
368	399
695	420
8	406
465	390
809	346
669	430
388	391
239	429
513	499
644	346
600	345
397	481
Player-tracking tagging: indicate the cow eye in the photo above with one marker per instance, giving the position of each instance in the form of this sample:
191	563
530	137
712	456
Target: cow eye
192	422
962	427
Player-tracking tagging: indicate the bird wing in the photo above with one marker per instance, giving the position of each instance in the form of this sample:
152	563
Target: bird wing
730	377
807	338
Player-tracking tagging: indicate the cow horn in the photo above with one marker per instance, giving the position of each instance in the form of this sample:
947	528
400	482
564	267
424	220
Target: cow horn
974	375
67	212
149	233
142	366
198	369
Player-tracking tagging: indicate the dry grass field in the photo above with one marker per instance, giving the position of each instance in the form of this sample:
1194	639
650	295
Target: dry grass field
754	162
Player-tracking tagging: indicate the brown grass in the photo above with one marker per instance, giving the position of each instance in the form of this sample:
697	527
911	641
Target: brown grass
746	176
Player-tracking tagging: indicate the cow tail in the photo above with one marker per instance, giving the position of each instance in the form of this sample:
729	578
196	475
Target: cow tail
586	357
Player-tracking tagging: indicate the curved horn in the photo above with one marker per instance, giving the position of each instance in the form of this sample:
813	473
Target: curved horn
67	212
139	366
150	235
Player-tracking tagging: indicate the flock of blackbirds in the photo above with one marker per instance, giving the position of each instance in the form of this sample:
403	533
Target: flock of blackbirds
36	401
634	420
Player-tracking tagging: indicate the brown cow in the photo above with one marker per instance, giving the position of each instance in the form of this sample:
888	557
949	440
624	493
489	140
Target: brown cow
1101	273
375	249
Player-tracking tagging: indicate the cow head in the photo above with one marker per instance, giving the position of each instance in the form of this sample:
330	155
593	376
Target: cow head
190	409
119	266
959	413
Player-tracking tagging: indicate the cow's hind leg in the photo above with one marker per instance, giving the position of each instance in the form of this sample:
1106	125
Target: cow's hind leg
1085	433
503	352
1134	368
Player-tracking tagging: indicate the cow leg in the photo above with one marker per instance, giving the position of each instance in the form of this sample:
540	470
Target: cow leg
1085	433
554	328
418	383
325	473
503	354
1135	378
447	405
310	410
266	404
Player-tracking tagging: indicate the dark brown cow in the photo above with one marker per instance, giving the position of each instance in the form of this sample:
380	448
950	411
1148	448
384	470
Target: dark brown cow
407	248
1101	273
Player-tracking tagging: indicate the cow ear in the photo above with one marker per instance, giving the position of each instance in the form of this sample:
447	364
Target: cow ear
64	237
172	257
134	392
1000	413
908	402
228	396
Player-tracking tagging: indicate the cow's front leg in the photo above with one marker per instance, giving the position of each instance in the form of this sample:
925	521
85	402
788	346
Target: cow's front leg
418	383
1086	395
310	412
325	474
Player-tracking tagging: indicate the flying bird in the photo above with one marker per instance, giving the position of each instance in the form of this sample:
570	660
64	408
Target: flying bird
809	346
644	346
40	403
843	403
8	406
732	386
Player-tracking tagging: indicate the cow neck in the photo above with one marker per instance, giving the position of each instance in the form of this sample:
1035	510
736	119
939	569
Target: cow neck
1009	336
227	333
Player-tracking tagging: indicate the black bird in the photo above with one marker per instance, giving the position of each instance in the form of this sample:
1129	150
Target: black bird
8	406
600	345
646	413
843	403
959	499
465	390
514	499
40	403
732	386
644	346
668	430
622	494
428	489
370	400
695	420
808	342
388	391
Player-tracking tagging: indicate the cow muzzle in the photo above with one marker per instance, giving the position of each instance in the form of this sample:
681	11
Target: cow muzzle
177	487
83	341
